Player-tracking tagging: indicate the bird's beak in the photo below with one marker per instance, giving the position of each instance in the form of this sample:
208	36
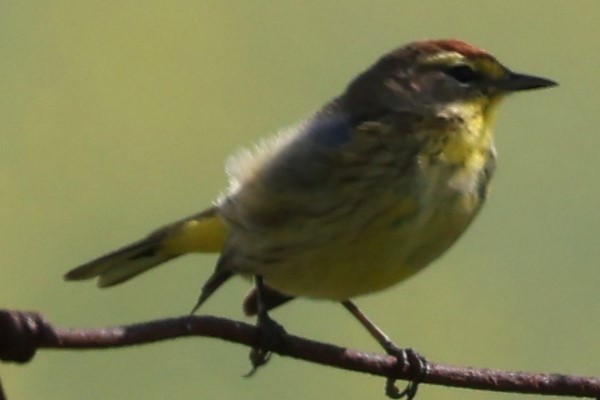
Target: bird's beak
515	82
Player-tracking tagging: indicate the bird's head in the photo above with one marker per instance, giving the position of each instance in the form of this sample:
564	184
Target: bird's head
429	76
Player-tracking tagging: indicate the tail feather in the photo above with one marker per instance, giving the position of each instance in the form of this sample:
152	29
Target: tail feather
203	232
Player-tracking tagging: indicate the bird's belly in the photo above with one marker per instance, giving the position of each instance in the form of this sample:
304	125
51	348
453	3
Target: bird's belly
392	247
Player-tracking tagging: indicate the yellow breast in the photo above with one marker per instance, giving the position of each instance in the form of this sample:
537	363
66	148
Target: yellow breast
395	234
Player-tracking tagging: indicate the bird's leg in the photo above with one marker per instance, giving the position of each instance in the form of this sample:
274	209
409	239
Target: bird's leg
271	333
405	356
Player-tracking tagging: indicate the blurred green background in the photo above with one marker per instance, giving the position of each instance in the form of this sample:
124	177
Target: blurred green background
116	117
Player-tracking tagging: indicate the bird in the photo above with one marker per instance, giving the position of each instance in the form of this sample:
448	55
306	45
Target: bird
364	193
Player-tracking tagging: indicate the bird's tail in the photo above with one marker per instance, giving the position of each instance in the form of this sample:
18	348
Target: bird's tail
204	232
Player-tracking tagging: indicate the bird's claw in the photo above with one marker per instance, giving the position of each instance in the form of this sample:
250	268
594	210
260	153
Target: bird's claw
410	360
272	336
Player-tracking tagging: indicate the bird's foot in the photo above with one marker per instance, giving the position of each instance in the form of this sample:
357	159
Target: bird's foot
272	336
410	361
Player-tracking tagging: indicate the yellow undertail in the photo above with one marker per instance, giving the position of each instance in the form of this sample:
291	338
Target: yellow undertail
200	233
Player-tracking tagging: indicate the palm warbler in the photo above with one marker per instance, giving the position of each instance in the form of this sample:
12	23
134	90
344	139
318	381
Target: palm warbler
367	191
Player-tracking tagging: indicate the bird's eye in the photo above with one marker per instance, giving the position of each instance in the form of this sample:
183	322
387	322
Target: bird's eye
463	73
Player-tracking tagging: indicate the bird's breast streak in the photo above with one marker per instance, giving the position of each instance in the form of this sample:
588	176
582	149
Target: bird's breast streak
412	230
